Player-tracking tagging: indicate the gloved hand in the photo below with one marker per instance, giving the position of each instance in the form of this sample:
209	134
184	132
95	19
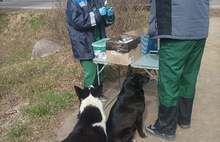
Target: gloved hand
110	11
103	10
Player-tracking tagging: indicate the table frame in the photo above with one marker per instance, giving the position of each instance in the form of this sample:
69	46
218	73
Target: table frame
145	62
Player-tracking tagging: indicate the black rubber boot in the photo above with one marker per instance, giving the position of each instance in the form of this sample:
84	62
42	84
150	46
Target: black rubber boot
167	120
185	111
101	96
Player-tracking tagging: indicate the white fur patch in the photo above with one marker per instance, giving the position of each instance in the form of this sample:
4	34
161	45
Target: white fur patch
95	102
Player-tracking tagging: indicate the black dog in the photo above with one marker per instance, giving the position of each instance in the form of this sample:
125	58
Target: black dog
127	112
91	125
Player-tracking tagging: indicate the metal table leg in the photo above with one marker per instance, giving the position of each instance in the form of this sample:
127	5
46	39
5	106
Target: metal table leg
119	89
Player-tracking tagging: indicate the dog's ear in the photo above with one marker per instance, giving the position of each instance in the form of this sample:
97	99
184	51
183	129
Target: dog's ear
129	70
144	79
78	91
97	91
82	94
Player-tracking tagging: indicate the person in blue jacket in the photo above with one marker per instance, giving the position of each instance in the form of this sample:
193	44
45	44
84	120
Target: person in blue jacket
182	27
86	23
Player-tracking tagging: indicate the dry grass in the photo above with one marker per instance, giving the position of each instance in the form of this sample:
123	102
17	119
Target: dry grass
34	94
128	17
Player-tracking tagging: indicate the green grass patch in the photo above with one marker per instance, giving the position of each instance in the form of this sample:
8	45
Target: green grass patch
17	131
32	70
37	21
22	54
4	20
50	103
57	71
23	72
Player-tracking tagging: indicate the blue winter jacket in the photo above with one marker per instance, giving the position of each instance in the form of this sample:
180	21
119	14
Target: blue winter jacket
81	22
179	19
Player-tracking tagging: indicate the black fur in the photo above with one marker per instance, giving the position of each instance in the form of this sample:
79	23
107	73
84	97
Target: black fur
84	131
127	112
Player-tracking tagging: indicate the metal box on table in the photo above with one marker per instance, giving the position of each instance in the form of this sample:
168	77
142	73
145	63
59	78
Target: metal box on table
123	43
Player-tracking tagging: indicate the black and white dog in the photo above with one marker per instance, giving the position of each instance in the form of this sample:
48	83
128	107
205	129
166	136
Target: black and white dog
91	125
126	114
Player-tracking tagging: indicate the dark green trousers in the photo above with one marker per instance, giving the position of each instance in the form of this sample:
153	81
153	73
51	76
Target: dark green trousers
179	65
90	73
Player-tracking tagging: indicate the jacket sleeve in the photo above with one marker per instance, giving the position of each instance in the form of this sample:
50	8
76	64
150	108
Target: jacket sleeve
80	19
109	20
152	20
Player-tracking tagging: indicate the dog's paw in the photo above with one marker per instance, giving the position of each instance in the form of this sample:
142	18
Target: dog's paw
143	135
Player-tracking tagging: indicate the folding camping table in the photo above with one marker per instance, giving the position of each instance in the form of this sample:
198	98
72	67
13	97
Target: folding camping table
146	62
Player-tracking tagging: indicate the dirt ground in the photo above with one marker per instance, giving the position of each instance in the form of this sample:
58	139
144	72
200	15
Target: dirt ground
206	112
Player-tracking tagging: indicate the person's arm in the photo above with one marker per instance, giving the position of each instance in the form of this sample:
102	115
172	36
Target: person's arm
81	20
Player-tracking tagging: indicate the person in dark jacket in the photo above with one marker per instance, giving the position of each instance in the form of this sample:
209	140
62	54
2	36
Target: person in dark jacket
182	26
86	22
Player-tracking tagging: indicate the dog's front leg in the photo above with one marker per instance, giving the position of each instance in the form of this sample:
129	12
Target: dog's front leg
139	127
